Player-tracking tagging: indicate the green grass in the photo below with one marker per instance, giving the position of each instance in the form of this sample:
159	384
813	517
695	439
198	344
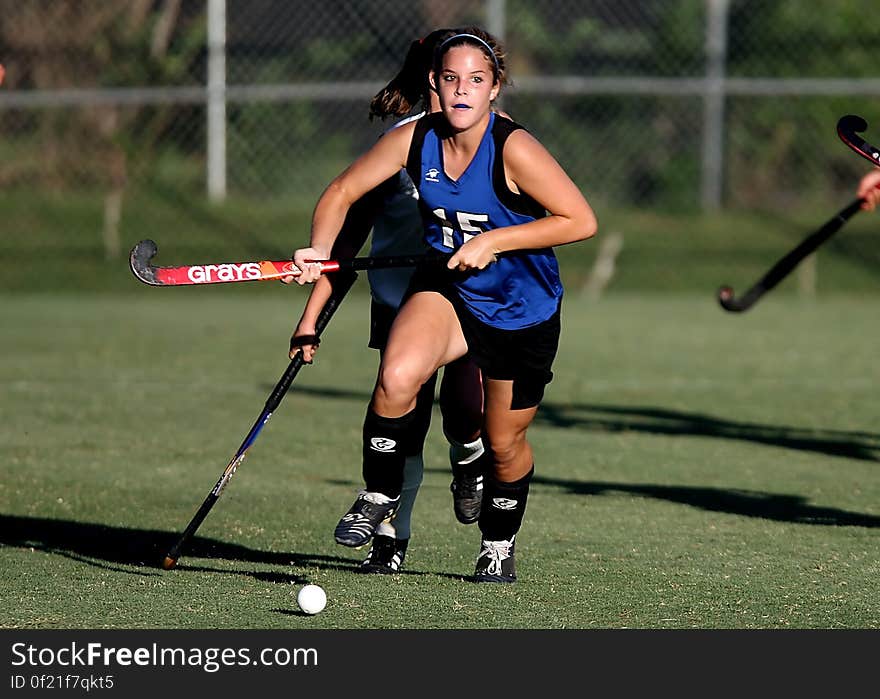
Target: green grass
54	243
695	469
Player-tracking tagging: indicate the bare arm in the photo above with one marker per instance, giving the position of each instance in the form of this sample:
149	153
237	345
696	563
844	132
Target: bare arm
351	239
375	166
532	170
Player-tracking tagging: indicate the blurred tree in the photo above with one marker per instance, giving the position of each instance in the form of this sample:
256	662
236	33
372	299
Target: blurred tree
666	39
65	44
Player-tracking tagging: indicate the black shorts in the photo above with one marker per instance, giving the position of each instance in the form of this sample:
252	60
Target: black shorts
523	356
381	317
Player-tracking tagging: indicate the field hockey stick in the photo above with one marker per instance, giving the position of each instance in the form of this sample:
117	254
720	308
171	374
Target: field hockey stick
264	270
783	268
340	288
847	126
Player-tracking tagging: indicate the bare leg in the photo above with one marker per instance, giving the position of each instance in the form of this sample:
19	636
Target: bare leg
506	488
506	432
425	335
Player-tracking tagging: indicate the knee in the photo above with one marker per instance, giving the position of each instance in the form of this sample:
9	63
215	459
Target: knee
506	449
398	381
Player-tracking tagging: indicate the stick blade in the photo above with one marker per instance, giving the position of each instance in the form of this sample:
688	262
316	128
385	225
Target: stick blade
169	563
726	299
850	123
847	126
737	305
139	260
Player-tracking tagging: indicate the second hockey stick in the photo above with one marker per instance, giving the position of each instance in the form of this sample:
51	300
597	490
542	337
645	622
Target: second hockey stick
786	264
341	286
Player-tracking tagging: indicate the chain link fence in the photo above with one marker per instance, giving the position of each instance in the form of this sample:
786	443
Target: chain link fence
676	104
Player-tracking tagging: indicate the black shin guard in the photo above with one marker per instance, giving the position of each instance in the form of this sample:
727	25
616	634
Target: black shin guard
386	446
504	505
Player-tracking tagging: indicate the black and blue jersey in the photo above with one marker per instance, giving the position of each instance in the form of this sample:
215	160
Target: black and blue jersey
522	288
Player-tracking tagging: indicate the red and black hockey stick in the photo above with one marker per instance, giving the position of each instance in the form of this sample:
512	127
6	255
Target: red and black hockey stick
847	126
783	268
341	286
264	270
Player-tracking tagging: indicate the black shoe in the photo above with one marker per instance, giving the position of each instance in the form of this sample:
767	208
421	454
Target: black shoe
496	562
385	556
467	496
358	524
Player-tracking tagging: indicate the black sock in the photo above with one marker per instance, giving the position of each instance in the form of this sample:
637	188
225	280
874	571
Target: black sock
504	505
386	445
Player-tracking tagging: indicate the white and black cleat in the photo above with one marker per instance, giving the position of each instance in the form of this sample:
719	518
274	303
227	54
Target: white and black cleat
496	562
358	525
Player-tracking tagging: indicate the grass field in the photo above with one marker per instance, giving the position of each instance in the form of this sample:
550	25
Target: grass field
695	469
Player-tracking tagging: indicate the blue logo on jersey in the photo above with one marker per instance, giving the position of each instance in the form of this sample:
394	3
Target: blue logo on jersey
432	175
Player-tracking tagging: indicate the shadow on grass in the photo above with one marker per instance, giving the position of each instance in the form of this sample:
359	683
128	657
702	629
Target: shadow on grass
142	550
780	508
112	547
862	446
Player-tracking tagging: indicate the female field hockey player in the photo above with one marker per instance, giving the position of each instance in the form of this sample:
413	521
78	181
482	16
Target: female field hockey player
496	199
391	211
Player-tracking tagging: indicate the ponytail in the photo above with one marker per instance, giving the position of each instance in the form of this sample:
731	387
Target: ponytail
409	87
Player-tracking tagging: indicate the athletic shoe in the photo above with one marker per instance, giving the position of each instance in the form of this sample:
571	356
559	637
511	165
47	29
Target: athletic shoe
385	556
358	524
467	495
496	563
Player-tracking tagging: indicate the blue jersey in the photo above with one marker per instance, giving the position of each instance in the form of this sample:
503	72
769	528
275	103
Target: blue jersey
522	288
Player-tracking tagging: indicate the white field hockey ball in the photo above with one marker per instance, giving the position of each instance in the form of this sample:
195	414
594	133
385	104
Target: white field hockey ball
311	599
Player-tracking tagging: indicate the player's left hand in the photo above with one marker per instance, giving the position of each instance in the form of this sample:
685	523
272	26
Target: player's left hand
477	253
